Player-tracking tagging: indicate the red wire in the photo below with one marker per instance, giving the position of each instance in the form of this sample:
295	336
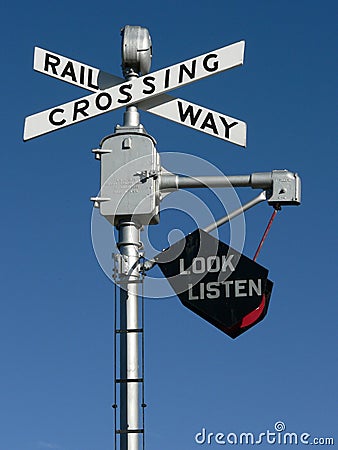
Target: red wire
265	233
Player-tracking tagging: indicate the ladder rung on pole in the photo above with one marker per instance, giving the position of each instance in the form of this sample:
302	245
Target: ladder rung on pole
129	380
129	431
131	330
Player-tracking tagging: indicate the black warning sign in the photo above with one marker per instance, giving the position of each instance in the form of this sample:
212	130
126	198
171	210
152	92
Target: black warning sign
213	280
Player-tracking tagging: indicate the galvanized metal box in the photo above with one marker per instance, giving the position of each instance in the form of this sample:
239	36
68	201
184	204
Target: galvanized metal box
129	178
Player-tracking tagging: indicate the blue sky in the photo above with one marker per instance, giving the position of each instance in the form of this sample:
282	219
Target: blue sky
56	302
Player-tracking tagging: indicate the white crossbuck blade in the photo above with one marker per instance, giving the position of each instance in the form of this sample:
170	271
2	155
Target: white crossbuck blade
113	92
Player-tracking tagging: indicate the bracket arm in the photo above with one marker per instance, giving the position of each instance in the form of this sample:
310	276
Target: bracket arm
285	186
256	180
255	201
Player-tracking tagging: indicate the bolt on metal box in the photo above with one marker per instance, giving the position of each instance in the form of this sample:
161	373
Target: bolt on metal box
129	177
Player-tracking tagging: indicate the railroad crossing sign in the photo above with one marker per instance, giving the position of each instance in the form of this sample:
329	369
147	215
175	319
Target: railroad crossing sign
213	280
112	92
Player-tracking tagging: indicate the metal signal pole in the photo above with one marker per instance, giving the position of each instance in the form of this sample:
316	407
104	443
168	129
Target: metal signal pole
136	58
129	245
